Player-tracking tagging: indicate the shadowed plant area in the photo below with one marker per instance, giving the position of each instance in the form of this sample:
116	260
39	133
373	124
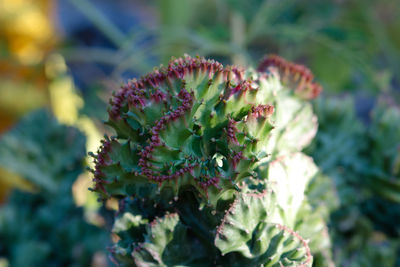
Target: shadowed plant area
199	133
48	157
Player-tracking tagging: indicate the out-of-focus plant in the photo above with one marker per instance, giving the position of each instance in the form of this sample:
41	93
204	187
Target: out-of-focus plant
384	143
66	103
382	177
361	160
339	144
44	227
207	159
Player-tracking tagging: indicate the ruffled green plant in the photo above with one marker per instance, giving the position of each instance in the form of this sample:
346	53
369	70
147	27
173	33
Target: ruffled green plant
207	165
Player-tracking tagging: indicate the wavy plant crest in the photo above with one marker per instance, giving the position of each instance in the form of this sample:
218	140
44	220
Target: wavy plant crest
196	144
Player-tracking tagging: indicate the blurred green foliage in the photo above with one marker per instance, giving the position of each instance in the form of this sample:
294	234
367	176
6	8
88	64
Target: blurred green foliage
44	227
362	159
43	151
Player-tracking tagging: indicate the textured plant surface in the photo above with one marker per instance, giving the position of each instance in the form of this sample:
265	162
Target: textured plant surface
208	168
45	228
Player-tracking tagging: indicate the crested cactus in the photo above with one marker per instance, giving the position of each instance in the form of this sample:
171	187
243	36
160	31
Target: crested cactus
207	165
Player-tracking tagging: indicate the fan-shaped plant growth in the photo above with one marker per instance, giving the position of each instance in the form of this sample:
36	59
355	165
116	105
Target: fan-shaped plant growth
206	163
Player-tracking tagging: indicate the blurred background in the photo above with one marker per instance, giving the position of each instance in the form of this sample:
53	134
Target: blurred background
65	57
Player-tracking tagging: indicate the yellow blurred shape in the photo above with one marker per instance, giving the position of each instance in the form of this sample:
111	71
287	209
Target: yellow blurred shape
17	98
66	103
93	135
80	188
112	204
9	180
87	199
55	66
64	100
27	29
26	33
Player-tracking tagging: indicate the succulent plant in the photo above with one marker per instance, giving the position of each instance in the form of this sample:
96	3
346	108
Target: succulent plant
207	165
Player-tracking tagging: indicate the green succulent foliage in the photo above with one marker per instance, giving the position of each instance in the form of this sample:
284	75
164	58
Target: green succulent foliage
245	229
322	200
241	221
45	228
307	202
312	224
206	125
165	239
163	245
284	174
289	135
207	165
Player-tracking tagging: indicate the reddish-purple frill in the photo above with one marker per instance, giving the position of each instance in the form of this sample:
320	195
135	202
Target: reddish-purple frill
101	160
231	131
146	154
296	74
262	111
135	89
